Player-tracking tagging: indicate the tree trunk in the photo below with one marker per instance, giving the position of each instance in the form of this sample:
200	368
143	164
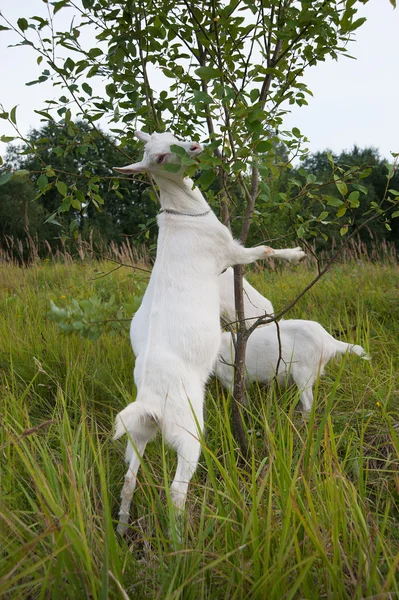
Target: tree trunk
239	364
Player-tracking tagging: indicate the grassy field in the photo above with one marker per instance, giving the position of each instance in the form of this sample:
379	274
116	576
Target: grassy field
314	514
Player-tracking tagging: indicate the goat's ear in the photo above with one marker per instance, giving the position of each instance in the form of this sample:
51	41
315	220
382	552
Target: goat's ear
134	168
144	137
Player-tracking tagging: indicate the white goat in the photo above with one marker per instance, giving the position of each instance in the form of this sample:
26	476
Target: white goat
255	305
306	348
176	332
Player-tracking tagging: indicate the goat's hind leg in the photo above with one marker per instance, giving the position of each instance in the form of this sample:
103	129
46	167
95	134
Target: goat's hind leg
304	380
188	449
134	451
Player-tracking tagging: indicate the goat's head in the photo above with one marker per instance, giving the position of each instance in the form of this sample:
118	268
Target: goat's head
157	153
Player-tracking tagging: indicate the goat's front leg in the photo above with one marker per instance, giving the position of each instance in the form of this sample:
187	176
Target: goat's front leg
293	255
238	255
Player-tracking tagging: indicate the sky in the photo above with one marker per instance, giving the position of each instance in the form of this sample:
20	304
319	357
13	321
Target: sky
354	101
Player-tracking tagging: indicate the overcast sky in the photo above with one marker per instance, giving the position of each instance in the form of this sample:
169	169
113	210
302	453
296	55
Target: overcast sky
355	101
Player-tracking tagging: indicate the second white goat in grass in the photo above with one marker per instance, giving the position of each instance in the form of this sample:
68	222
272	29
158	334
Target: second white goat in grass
306	348
176	332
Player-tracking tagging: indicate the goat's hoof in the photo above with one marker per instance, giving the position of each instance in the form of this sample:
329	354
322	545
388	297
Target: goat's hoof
121	529
298	255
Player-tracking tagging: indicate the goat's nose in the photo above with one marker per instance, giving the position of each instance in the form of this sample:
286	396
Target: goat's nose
195	147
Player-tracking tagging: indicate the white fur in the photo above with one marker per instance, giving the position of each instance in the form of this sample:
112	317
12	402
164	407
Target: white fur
306	348
176	332
255	305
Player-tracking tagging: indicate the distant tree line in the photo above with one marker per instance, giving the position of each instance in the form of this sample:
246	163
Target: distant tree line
129	209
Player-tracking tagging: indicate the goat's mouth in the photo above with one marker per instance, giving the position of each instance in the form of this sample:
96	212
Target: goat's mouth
195	149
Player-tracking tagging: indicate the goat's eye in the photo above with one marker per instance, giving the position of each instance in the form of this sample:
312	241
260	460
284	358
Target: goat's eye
160	159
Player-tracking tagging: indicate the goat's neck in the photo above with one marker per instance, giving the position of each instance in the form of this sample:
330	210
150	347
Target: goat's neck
179	196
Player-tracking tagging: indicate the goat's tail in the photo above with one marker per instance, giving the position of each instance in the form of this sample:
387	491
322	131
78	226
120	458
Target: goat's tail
135	417
343	347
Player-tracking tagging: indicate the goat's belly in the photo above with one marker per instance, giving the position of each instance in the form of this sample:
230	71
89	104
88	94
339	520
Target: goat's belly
163	375
261	366
139	330
195	344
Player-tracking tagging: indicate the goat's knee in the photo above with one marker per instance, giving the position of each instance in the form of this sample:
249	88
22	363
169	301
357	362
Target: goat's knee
178	494
306	401
126	500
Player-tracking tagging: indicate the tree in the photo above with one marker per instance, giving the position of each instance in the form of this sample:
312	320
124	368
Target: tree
233	68
354	213
116	209
20	217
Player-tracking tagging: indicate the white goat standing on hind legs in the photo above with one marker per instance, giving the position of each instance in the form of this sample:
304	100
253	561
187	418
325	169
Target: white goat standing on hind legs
176	332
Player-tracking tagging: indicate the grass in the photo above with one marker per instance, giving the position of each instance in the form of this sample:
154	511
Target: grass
314	514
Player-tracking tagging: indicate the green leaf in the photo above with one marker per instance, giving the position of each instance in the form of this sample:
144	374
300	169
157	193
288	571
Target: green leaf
263	146
13	115
6	139
395	214
172	168
353	199
178	150
52	219
356	24
5	177
86	88
200	96
69	65
331	201
390	170
394	192
66	204
76	204
44	114
42	182
22	24
207	73
341	185
59	5
343	230
98	199
360	187
296	132
80	196
62	188
206	179
341	211
111	89
365	173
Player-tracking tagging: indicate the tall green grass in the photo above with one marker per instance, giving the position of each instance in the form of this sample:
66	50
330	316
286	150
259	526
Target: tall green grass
313	514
